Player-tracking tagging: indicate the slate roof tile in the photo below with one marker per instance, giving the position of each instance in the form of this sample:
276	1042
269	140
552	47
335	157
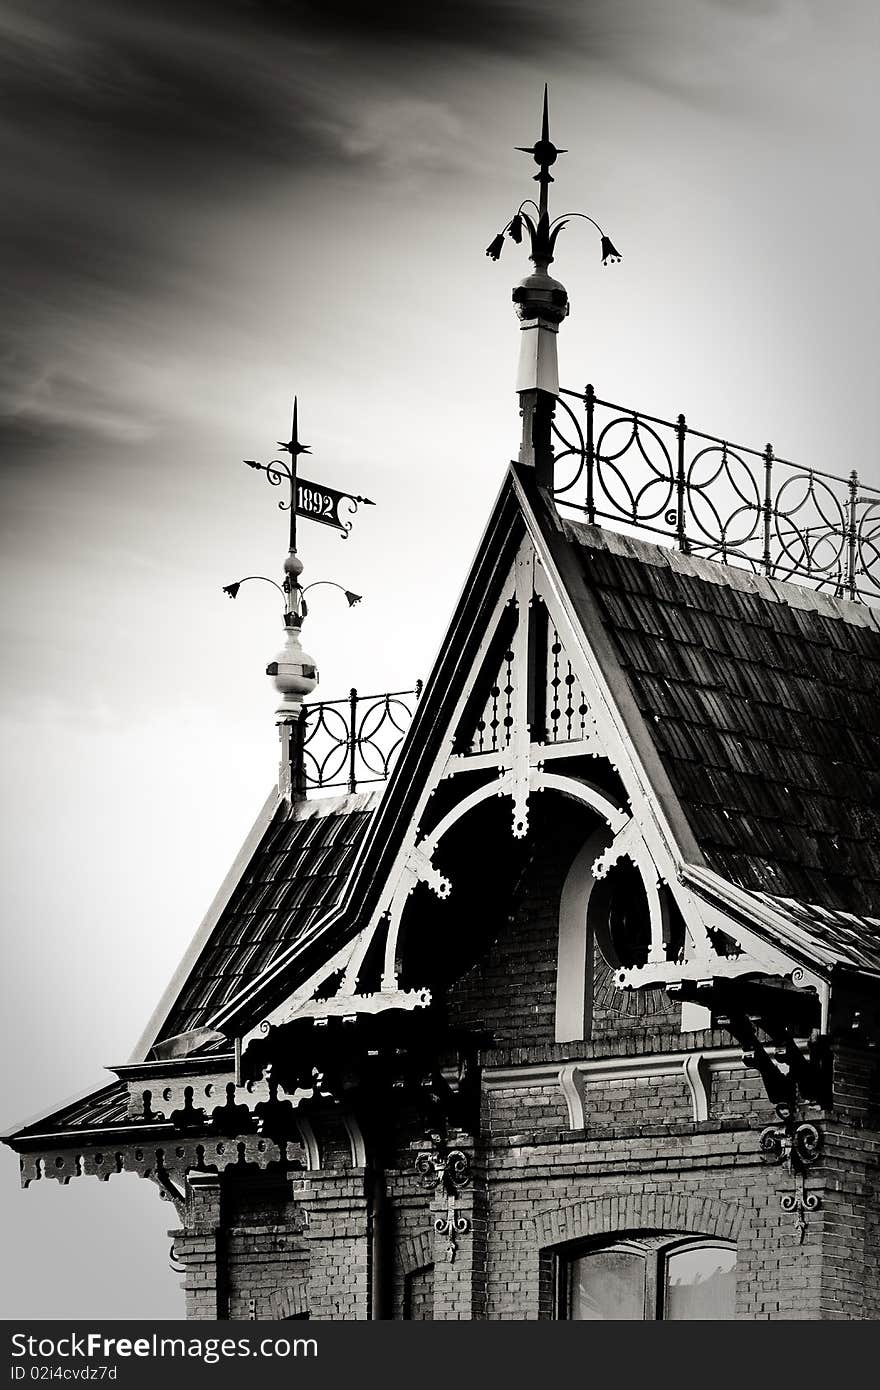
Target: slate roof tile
106	1106
296	873
854	939
766	717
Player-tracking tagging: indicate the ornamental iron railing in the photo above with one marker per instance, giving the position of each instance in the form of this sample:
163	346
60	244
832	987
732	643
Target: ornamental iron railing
353	742
714	498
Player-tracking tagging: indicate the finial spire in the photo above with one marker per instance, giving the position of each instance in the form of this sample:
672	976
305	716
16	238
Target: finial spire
541	302
294	448
294	672
545	154
543	232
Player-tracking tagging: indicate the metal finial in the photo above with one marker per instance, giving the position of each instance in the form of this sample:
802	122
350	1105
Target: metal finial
542	232
544	152
294	672
293	445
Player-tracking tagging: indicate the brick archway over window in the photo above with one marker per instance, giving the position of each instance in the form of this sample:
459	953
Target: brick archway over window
417	1252
655	1211
602	1217
290	1302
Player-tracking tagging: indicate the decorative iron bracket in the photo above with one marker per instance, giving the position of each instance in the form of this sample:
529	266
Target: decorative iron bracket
447	1170
797	1145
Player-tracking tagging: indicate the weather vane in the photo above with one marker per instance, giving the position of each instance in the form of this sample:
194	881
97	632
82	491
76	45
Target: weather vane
543	232
294	672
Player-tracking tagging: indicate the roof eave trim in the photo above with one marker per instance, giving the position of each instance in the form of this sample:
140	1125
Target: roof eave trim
97	1134
42	1116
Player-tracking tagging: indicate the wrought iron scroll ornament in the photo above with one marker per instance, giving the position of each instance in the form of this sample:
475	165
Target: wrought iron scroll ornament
542	231
797	1145
447	1170
716	499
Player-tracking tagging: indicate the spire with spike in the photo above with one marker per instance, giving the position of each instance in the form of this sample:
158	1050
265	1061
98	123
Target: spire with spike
542	231
541	302
544	153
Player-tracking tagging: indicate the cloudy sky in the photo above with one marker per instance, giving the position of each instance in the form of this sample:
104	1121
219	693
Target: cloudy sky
211	204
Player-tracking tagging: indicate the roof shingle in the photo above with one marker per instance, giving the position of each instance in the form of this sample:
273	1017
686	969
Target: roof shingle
766	718
296	873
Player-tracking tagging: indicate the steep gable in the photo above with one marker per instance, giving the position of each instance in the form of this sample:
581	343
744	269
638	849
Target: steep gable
711	706
536	701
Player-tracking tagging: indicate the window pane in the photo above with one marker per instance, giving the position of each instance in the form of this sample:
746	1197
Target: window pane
700	1283
607	1286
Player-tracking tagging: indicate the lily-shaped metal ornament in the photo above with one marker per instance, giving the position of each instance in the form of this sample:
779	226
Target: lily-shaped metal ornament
542	231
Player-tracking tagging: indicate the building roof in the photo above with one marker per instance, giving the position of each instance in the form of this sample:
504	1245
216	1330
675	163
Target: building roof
296	873
96	1109
854	941
760	699
763	702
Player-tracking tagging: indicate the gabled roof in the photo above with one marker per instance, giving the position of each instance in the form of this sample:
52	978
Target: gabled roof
756	703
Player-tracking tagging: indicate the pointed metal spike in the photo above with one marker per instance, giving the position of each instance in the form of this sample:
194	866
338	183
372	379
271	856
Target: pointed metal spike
545	123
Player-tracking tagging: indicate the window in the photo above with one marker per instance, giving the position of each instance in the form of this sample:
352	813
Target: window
662	1276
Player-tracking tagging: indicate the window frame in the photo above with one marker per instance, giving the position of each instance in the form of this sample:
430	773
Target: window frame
655	1249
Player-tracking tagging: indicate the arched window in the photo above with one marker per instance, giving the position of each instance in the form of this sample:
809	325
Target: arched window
672	1277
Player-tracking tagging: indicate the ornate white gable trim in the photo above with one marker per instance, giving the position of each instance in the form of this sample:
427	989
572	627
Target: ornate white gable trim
537	653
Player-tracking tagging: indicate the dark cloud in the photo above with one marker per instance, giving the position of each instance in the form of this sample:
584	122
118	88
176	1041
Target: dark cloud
124	127
502	26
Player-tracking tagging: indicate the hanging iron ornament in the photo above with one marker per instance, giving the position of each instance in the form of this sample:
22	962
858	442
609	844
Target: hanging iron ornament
448	1170
797	1145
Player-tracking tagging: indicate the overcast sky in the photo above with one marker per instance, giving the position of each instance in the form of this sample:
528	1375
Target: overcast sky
209	205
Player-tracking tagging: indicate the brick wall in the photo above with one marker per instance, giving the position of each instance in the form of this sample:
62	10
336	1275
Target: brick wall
538	1188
